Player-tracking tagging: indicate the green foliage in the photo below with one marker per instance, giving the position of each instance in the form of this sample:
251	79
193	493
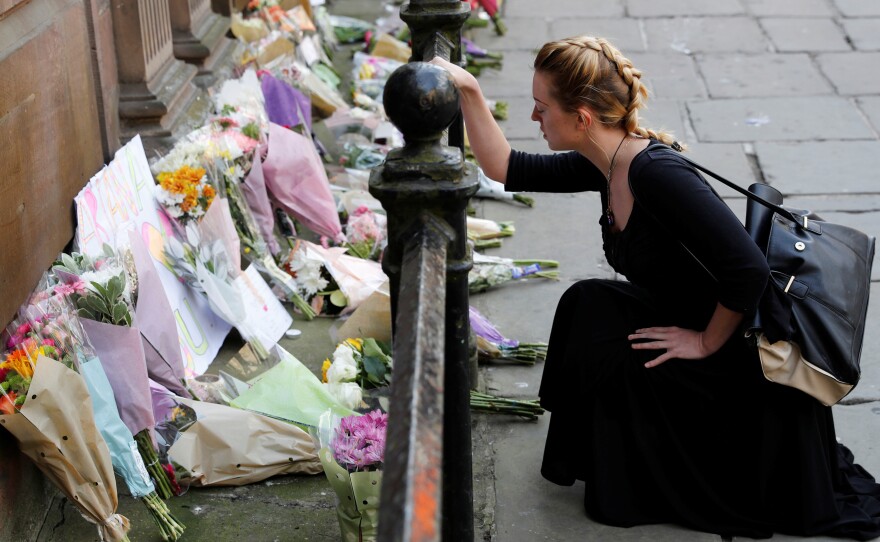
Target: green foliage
376	364
106	303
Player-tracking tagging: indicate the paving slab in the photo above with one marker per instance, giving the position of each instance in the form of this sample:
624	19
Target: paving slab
523	34
515	79
706	34
849	72
519	124
559	9
812	167
669	76
857	8
728	160
807	34
870	106
780	119
863	33
683	8
868	389
798	8
666	115
759	75
625	34
857	427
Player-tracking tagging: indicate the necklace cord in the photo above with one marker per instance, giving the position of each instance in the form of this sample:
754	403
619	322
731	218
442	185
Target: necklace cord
608	213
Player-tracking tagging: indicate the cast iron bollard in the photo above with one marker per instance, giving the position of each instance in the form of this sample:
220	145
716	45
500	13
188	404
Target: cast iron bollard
424	188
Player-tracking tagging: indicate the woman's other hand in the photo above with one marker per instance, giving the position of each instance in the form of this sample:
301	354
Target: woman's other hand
678	342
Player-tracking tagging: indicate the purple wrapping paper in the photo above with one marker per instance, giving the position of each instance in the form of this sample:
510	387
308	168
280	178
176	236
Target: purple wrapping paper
254	189
295	177
485	329
155	318
122	355
285	105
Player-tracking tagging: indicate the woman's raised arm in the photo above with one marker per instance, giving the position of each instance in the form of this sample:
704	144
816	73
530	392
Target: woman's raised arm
486	139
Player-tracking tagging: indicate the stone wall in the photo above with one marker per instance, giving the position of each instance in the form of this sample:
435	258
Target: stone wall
79	78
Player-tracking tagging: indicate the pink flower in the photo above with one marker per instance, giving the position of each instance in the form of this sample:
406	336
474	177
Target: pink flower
79	287
48	342
23	329
64	290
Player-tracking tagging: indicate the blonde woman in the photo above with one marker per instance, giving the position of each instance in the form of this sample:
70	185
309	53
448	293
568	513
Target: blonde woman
657	402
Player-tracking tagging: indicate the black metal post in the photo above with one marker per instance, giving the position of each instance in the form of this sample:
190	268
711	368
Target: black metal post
425	177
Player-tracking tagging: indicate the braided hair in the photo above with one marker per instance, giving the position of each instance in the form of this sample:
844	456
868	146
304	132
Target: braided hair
590	71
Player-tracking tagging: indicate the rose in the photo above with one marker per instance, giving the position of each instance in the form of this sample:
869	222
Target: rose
341	371
349	394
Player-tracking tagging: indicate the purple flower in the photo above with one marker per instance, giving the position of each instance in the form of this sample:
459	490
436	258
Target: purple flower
360	441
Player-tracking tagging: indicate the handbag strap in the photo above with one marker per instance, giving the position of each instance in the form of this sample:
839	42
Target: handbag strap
800	220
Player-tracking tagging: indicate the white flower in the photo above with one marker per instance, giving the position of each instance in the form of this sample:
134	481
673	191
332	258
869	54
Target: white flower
344	354
348	394
341	372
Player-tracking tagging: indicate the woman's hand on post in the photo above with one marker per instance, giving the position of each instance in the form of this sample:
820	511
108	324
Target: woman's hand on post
486	139
678	342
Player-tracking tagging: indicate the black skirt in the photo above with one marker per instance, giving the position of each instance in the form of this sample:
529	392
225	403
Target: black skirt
709	444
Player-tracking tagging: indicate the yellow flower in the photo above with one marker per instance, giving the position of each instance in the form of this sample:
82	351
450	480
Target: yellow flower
357	344
324	368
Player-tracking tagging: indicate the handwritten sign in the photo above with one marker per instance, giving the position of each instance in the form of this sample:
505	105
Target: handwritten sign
120	198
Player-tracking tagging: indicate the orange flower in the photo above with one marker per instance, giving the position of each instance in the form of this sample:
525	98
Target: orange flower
18	361
7	403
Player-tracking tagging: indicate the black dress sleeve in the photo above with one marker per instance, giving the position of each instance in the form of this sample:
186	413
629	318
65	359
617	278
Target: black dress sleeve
563	172
687	208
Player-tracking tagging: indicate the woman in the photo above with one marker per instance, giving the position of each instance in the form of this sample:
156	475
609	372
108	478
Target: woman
657	402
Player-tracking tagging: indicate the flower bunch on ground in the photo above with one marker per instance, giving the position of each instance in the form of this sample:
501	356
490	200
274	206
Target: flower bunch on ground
185	193
359	441
356	365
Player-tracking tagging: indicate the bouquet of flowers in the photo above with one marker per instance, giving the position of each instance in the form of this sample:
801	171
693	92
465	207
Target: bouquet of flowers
365	233
492	345
356	365
48	408
217	445
352	454
207	268
185	193
490	271
332	281
106	308
495	190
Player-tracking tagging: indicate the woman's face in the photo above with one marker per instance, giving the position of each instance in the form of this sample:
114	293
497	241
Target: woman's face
558	125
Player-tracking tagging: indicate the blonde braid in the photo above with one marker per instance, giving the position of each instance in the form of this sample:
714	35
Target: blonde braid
589	82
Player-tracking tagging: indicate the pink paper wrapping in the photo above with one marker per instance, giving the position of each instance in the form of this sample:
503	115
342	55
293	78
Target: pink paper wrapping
217	225
156	322
295	176
122	355
254	189
356	277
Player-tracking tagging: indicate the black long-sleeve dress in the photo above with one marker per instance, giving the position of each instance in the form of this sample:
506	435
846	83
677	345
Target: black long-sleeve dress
710	443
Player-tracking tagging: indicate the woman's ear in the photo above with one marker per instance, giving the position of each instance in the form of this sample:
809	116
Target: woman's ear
585	118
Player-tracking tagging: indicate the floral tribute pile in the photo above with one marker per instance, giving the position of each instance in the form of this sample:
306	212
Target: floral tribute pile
264	207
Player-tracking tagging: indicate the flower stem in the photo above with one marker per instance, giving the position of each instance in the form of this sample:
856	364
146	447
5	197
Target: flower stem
169	527
151	461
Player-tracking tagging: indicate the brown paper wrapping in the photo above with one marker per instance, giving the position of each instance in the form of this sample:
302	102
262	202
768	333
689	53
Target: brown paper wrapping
56	429
232	447
372	318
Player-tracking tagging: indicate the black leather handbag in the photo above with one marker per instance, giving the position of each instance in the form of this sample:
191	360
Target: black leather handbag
810	322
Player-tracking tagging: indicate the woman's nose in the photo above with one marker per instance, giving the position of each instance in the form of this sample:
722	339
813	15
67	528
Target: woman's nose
535	116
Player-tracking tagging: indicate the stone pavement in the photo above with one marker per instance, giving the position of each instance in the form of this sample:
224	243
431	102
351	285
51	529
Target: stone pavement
781	91
784	91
